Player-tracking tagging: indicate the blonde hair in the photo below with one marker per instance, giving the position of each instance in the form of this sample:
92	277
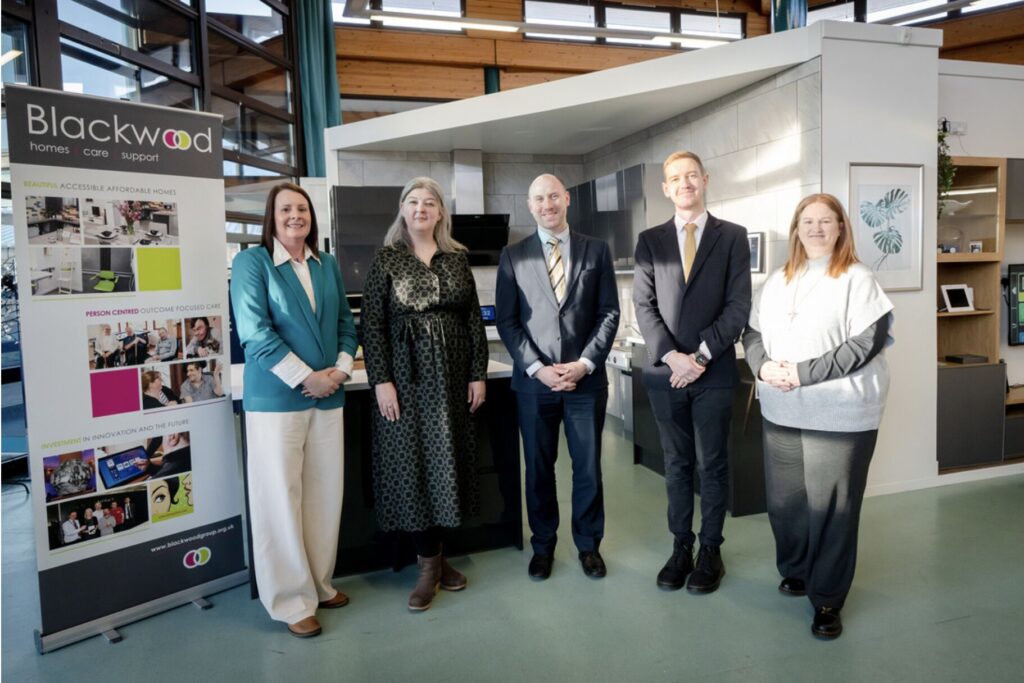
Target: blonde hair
398	232
683	154
845	253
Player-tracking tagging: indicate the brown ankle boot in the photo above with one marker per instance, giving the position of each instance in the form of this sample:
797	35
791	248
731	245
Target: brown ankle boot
426	584
451	578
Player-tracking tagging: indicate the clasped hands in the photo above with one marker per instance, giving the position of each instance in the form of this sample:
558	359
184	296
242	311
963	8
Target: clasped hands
562	376
781	375
685	370
323	383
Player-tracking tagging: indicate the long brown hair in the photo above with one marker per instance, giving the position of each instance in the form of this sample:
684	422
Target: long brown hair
845	253
269	226
398	232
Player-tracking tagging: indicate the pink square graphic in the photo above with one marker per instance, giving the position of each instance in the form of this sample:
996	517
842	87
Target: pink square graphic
114	392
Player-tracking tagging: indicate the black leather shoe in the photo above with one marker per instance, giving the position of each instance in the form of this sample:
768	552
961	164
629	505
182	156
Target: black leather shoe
593	565
708	572
827	623
673	575
540	566
791	586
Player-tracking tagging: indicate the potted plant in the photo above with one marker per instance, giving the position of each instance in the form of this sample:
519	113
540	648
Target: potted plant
946	170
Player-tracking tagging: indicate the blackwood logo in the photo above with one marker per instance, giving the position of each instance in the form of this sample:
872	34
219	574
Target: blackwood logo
196	558
46	121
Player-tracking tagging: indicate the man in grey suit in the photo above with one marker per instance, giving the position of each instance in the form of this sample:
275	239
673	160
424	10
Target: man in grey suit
558	312
691	288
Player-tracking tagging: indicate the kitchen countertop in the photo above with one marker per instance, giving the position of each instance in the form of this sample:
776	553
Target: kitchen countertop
495	370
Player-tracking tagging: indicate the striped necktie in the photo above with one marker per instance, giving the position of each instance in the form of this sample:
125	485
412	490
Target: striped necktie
690	246
556	269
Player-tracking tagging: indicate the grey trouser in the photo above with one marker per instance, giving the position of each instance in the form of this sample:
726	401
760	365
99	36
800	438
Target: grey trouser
815	484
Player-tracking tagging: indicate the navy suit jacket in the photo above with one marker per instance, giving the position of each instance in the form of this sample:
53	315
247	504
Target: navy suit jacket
713	307
535	327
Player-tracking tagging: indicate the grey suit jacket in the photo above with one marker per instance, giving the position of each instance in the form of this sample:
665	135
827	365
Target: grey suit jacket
535	327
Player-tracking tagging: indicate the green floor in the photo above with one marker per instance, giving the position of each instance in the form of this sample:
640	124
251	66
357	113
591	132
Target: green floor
939	596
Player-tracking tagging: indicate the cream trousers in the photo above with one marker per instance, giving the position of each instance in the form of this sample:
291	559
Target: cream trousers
296	482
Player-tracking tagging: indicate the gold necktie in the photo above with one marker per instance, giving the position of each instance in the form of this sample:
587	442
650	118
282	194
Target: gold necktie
556	270
691	249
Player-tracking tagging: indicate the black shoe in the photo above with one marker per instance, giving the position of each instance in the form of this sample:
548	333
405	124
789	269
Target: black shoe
708	573
673	575
540	566
791	586
593	565
827	623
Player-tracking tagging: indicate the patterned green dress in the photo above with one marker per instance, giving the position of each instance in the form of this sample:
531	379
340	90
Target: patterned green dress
422	331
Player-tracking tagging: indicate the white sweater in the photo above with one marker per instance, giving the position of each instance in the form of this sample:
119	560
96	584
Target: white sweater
807	318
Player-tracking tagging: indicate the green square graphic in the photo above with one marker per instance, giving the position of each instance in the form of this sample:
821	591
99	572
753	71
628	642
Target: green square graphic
159	269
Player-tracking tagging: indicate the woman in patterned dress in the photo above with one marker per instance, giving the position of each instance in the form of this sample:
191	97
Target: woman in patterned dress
426	357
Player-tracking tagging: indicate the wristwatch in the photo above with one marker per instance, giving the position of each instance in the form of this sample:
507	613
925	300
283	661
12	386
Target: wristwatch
700	359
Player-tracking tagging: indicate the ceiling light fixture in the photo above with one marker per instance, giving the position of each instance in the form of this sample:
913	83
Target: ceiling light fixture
441	23
360	9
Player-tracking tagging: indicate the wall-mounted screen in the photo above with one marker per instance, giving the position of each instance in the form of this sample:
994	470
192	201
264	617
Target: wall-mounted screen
1015	299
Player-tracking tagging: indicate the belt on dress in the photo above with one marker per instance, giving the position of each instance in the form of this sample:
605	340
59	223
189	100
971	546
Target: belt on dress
417	326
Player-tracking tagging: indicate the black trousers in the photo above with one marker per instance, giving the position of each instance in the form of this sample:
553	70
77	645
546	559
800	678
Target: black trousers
815	485
540	416
693	425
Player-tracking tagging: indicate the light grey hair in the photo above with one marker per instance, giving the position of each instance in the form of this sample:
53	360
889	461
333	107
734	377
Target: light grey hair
398	232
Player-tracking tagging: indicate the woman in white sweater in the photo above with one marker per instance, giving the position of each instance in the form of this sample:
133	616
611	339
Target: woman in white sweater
815	342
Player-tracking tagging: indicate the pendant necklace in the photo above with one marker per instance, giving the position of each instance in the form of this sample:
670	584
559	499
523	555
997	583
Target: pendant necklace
797	301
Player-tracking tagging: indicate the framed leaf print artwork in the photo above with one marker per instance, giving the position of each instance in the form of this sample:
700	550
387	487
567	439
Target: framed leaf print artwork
886	212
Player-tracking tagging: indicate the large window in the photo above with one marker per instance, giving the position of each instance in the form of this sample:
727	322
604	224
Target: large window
555	14
146	26
253	19
921	12
703	29
86	70
153	51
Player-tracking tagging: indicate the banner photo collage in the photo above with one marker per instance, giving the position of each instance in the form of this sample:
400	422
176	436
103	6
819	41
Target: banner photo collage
121	257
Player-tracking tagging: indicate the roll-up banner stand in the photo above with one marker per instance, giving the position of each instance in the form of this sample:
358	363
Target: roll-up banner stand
118	213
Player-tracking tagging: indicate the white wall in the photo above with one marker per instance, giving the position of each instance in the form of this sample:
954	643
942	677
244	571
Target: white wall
874	112
989	98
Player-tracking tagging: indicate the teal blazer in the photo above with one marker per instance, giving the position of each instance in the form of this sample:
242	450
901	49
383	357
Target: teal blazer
273	317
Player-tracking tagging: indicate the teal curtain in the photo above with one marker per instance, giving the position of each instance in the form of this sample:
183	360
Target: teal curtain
321	103
492	80
787	14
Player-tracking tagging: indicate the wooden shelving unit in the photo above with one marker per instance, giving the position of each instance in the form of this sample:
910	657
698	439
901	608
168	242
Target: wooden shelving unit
981	182
972	399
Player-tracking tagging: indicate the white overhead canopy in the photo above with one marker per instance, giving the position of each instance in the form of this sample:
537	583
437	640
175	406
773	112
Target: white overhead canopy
579	114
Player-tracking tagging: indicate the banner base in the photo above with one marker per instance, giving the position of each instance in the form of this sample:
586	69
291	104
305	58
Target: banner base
109	624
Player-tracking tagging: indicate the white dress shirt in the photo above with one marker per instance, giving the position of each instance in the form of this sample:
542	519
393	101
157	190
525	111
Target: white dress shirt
291	369
564	246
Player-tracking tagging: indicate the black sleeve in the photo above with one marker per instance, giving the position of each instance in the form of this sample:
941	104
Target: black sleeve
376	335
848	357
753	351
478	351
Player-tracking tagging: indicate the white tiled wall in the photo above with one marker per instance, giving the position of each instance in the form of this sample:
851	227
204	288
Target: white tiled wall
761	146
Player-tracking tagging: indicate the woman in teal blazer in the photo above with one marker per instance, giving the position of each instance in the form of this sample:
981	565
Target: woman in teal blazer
299	338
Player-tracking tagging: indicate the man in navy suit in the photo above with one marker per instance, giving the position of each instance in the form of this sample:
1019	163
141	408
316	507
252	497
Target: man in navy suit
691	289
558	311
